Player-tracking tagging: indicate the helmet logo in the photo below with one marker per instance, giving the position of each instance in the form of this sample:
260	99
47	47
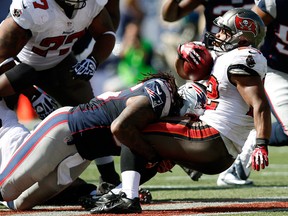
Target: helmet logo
245	24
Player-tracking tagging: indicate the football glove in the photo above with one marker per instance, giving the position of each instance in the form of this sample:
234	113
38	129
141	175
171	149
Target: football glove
165	166
43	103
85	69
259	157
192	53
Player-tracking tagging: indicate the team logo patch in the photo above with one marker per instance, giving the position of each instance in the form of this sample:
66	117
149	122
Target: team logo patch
246	24
155	96
250	61
17	12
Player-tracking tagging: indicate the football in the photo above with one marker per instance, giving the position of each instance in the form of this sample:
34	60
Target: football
194	63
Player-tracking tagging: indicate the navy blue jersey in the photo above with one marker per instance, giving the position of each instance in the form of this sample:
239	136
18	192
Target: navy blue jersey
215	8
90	123
275	47
104	109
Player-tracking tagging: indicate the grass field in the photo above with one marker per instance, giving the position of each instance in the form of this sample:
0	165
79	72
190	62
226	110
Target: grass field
270	184
175	194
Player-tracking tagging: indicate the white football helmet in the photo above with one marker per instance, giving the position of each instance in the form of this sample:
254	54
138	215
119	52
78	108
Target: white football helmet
194	95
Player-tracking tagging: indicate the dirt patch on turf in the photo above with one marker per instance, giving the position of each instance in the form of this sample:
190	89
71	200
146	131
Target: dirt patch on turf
167	209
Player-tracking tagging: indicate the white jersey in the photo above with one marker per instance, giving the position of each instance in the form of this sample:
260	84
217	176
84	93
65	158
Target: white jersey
53	33
12	134
226	110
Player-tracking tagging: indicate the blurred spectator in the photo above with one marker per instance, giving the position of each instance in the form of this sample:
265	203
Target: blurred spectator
135	57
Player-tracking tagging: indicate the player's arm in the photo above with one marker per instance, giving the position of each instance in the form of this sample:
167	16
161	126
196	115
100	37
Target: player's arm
12	38
103	32
129	124
252	91
266	17
173	11
113	9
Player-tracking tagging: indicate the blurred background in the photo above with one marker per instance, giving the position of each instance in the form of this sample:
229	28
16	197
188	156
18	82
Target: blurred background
145	43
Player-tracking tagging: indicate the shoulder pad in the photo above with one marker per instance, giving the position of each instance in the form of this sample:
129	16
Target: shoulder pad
28	13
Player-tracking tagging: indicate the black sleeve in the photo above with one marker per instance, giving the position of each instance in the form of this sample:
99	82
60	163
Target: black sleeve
21	76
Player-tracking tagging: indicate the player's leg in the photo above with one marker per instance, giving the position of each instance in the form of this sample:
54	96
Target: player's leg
278	98
59	83
39	155
51	185
172	141
239	172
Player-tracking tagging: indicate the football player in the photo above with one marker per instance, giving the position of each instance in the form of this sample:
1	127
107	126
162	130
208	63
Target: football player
68	135
41	34
174	10
236	105
274	49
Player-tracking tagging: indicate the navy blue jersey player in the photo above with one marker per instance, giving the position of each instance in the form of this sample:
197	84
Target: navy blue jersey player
49	156
91	120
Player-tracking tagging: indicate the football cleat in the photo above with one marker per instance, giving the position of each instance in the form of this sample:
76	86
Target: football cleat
89	202
230	178
193	174
119	204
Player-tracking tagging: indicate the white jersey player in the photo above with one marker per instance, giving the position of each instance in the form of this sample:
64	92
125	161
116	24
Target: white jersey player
236	105
274	48
53	32
44	32
222	96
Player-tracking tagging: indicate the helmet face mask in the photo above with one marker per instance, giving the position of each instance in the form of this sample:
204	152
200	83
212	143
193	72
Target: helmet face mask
244	27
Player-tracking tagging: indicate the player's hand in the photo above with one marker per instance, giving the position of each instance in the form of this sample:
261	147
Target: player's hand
165	166
259	157
85	69
43	104
192	53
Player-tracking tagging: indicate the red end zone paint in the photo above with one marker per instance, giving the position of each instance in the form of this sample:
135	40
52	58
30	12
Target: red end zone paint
149	209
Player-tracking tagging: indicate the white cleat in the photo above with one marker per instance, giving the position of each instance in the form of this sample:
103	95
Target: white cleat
230	178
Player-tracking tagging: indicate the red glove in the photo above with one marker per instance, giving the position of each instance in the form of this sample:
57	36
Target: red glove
165	166
259	157
193	53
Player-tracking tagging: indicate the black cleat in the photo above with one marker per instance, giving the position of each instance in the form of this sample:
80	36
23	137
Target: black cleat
193	174
119	205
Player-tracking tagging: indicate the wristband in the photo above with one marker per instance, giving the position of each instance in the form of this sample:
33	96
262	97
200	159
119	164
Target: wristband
262	141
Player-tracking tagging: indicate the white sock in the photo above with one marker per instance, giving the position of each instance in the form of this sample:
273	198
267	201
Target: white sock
117	189
130	183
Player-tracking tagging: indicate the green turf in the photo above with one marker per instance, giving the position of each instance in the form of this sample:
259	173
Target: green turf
269	184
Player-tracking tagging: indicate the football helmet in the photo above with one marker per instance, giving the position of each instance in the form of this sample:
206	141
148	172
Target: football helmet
243	28
194	95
